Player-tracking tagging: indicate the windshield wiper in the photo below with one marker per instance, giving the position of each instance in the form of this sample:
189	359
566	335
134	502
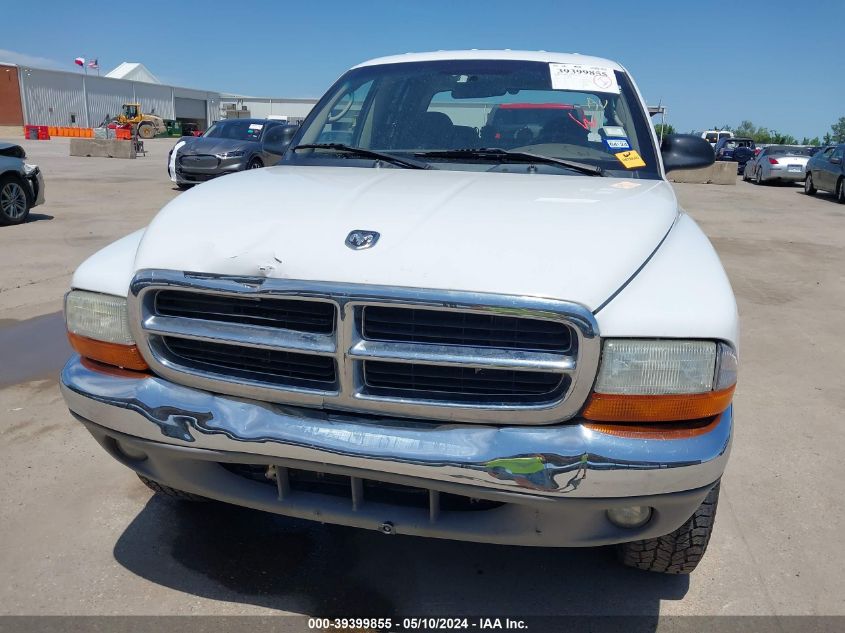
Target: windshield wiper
408	163
504	155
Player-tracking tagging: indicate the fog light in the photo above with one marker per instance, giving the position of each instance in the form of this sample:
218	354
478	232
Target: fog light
133	454
629	516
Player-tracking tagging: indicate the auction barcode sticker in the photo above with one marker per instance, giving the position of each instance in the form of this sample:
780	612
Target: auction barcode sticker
583	78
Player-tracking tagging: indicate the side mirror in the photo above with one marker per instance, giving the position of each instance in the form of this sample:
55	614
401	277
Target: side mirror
685	151
836	160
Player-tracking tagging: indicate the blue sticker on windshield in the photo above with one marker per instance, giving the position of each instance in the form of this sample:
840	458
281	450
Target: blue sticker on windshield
617	143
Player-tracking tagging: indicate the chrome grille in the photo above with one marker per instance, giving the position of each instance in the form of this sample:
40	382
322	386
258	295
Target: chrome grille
419	353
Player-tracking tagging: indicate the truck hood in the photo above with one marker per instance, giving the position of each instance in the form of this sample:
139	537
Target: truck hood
576	238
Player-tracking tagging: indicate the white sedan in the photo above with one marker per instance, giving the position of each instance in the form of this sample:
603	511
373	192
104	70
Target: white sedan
777	162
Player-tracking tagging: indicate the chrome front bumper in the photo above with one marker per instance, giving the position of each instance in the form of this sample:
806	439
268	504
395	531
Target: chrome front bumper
154	409
549	486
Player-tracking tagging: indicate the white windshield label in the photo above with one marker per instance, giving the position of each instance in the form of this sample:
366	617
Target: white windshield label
255	126
583	78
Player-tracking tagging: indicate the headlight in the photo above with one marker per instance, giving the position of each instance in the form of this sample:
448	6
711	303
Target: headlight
232	154
662	380
98	328
29	170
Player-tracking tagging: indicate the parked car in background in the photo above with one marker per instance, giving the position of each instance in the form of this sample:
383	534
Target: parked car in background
713	136
191	129
406	334
226	147
739	150
21	185
777	163
826	172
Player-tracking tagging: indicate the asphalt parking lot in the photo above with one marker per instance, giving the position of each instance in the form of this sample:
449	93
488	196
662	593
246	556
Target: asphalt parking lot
81	535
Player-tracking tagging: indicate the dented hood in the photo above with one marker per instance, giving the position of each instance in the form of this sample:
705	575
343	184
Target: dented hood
576	238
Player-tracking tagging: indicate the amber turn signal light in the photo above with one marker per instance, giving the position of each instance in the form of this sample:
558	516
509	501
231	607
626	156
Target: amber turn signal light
126	356
611	407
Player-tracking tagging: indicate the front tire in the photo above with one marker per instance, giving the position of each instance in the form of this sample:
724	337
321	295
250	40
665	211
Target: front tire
255	163
840	191
146	131
15	203
167	491
809	187
758	176
680	551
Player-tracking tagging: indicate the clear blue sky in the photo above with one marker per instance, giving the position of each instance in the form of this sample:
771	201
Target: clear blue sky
778	63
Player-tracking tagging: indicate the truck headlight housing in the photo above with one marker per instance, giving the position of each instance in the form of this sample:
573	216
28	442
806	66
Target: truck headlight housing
645	380
98	328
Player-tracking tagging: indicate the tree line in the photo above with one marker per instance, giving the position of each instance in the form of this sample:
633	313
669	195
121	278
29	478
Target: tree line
767	136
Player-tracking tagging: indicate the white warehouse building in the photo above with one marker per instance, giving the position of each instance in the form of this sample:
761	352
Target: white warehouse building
62	98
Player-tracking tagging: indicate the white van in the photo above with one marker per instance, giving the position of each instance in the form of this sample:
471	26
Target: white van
713	136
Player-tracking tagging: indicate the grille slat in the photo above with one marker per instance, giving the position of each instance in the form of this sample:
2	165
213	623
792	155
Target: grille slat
384	377
410	325
316	317
271	366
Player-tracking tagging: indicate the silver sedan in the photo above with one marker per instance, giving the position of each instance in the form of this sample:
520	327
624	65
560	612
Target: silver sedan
777	162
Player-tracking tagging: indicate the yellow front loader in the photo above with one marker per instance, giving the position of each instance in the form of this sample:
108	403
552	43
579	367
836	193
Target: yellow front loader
147	125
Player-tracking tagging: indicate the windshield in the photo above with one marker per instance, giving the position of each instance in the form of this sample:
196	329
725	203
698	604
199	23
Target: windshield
239	129
589	115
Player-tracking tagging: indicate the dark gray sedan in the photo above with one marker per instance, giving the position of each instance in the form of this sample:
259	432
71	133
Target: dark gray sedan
21	184
826	172
226	147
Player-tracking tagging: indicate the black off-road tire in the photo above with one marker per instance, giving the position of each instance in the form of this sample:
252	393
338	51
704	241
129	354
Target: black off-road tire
680	551
167	491
840	191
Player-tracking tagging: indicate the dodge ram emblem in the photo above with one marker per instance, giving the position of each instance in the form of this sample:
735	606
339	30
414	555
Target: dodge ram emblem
359	240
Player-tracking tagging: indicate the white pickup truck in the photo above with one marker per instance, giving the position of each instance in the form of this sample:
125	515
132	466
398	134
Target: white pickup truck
466	305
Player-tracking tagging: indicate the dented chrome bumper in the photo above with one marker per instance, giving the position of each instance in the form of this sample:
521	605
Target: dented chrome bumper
564	461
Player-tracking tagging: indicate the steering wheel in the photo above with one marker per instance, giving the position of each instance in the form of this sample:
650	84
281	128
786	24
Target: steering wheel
336	117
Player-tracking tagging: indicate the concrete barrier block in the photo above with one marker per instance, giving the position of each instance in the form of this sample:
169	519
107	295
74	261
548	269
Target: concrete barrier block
696	176
724	173
102	148
719	173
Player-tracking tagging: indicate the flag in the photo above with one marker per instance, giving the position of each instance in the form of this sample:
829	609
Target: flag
93	64
79	61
